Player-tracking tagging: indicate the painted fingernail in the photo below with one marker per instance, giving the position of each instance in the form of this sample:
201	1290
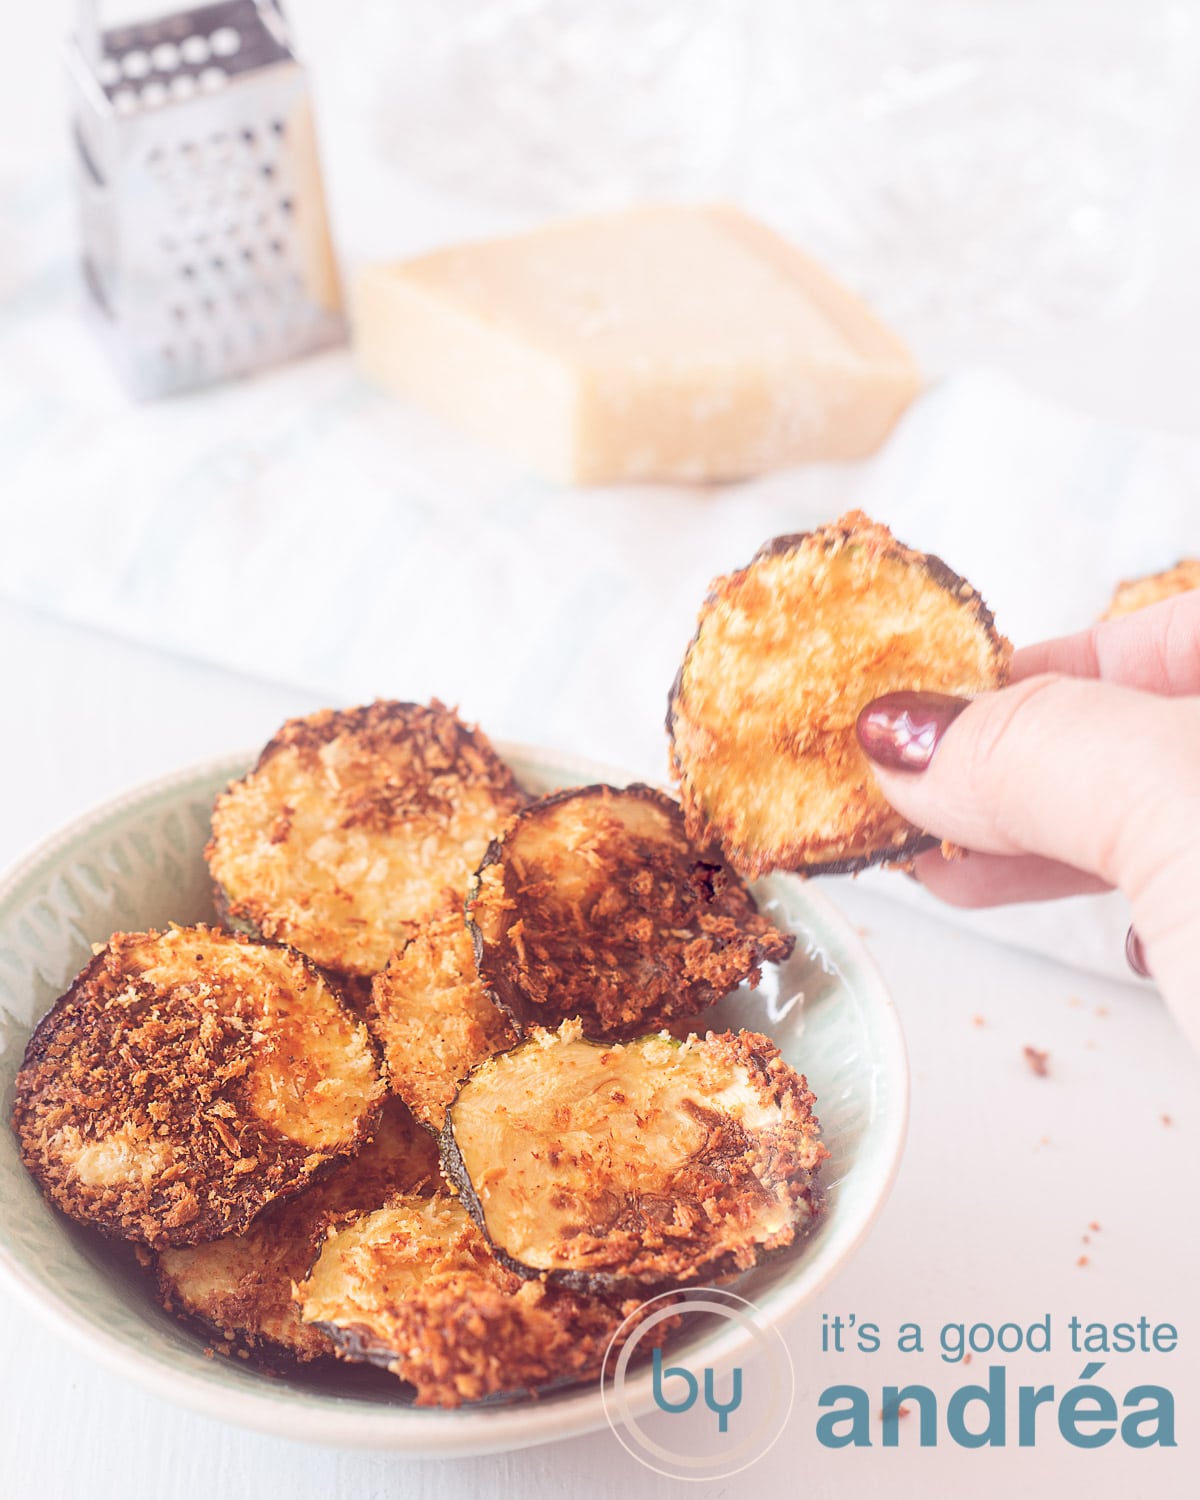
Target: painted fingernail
1135	954
902	730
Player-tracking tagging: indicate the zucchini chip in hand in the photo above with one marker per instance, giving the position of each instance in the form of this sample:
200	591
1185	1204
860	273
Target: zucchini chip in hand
433	1018
635	1166
238	1290
187	1079
355	826
787	652
414	1288
594	903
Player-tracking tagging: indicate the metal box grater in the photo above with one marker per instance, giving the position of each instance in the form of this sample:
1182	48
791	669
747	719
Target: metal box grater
206	247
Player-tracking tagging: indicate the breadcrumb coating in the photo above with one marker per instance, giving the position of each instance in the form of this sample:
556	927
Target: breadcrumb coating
1132	594
433	1018
187	1079
786	654
413	1287
239	1289
355	826
595	903
635	1165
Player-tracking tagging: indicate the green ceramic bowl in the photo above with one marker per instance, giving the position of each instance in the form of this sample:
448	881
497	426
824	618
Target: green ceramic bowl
137	862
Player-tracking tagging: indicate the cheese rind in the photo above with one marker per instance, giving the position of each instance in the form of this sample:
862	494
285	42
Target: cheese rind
663	343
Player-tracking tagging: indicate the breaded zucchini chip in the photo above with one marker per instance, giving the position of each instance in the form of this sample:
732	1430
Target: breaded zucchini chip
187	1079
594	903
414	1288
635	1166
433	1018
1132	594
355	826
238	1290
787	652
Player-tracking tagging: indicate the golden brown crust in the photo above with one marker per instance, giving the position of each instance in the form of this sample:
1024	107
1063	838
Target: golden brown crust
238	1290
594	903
1132	594
414	1288
355	826
433	1018
631	1166
187	1079
786	653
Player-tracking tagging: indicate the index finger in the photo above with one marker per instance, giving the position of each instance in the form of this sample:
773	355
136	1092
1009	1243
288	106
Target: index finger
1157	650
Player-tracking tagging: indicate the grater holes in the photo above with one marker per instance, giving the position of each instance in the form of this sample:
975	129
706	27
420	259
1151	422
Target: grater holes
249	137
278	128
267	170
286	207
154	94
225	42
276	247
213	78
195	50
108	71
183	86
124	101
165	57
136	64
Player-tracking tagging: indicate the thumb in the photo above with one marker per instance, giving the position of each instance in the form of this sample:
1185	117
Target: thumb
1088	773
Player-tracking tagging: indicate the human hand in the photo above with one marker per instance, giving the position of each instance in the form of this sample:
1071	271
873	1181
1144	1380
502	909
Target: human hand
1081	775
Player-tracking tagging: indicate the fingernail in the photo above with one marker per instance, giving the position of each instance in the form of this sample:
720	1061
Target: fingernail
1135	954
902	730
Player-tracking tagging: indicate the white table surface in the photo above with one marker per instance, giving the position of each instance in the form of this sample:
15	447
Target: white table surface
1002	1175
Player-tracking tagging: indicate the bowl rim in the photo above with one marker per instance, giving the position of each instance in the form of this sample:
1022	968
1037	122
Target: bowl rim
423	1432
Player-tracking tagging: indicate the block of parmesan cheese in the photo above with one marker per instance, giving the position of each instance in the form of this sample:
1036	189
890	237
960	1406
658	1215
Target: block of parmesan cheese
663	343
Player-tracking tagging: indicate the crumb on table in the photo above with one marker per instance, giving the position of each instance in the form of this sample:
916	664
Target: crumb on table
1039	1062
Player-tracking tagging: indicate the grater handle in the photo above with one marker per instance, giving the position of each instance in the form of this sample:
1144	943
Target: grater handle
87	31
274	20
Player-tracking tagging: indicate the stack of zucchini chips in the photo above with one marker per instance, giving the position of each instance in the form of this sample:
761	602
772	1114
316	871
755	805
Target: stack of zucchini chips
427	1097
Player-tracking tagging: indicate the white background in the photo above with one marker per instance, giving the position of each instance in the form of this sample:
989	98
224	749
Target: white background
1003	1172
